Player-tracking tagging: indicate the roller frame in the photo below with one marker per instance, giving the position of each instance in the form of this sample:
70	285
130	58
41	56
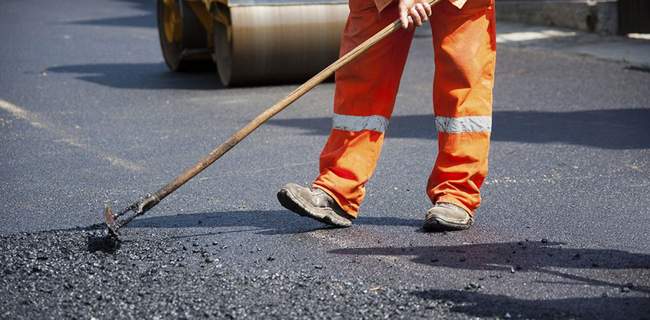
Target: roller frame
183	36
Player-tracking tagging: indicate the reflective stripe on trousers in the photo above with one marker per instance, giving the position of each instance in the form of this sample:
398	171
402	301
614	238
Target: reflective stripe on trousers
443	124
464	124
359	123
464	45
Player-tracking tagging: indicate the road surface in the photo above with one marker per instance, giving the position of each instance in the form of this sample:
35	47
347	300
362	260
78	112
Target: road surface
89	114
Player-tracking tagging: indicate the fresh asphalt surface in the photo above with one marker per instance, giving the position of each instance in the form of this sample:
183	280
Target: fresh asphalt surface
89	114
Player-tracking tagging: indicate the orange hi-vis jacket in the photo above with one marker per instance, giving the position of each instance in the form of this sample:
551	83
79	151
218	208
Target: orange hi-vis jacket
463	36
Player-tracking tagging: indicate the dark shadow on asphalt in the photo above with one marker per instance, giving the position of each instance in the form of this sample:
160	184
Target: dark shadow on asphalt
264	222
138	21
481	305
144	20
148	76
527	256
200	75
607	129
538	257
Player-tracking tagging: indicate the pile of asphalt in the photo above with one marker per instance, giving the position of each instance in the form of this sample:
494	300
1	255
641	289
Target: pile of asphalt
75	274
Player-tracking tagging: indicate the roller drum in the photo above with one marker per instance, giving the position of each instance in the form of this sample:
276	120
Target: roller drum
276	44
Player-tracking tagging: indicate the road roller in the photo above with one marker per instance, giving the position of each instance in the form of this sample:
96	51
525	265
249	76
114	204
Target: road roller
252	42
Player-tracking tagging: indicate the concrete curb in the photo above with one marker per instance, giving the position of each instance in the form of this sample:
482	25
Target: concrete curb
635	53
600	16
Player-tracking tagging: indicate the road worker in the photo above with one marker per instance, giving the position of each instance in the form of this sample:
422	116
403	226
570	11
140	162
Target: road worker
463	35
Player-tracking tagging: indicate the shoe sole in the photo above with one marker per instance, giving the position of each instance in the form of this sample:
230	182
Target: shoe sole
293	203
442	225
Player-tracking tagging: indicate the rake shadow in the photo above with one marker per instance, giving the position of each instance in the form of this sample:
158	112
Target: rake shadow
264	222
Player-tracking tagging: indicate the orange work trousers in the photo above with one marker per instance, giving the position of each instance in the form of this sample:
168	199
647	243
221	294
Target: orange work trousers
464	54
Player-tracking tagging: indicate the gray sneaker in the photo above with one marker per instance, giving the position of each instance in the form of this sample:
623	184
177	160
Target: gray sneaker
314	203
447	217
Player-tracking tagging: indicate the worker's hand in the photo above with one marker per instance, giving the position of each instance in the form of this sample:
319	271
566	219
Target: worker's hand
413	11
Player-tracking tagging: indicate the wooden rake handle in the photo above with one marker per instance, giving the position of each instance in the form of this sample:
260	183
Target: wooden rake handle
151	200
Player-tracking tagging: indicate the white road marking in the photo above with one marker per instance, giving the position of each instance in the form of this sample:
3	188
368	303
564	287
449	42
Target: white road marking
19	113
532	35
65	137
639	36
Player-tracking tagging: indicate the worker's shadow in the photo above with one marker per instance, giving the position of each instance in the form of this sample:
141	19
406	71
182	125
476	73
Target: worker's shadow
548	258
272	222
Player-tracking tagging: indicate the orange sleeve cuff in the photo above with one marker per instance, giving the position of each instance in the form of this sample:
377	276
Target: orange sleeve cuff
458	3
382	4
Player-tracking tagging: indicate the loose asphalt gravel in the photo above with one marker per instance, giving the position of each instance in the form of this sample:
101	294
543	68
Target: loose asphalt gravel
81	274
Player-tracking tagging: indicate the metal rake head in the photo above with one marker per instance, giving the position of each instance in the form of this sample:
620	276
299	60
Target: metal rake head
115	221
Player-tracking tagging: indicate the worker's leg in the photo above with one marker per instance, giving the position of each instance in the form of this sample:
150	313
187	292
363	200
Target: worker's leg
363	103
465	53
